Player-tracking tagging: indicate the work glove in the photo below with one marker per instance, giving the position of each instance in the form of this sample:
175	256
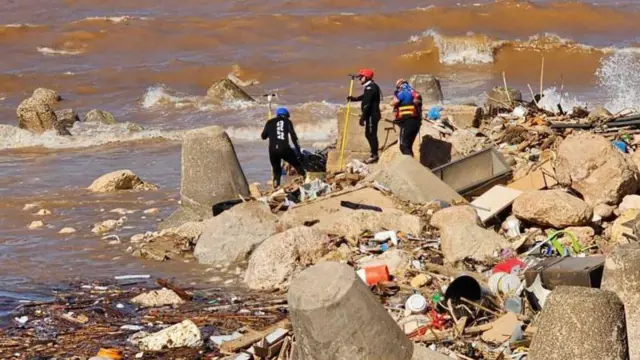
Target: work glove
351	98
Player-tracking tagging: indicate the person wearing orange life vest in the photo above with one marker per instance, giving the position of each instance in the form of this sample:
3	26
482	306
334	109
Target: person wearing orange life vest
407	105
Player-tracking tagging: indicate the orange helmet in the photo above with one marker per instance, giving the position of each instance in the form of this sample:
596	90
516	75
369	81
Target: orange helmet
400	82
366	73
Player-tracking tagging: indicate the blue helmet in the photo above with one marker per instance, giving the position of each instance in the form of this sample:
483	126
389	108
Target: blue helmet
405	97
282	112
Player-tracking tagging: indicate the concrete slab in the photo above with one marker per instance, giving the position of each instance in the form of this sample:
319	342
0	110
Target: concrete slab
494	201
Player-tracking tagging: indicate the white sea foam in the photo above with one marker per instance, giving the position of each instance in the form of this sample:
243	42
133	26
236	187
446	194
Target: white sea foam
552	98
161	95
619	79
52	52
113	19
321	130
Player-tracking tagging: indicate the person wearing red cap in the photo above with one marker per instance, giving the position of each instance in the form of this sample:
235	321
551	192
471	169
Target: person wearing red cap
370	111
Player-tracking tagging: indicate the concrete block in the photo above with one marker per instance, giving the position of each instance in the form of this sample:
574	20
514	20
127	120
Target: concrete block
336	317
211	173
429	87
622	276
581	323
411	181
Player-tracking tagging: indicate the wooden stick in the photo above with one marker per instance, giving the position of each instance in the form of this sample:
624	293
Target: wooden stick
542	75
533	96
479	306
506	89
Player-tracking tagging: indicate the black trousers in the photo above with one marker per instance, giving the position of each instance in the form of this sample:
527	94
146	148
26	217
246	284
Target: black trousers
371	133
287	155
409	129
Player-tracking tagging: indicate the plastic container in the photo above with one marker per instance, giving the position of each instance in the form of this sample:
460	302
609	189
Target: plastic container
416	303
513	304
503	283
371	275
387	235
108	354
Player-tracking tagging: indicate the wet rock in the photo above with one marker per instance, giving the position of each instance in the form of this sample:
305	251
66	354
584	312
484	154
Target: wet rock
67	117
227	90
207	180
120	180
156	298
594	168
151	211
618	230
189	230
184	334
104	227
397	261
234	234
279	258
584	234
46	96
465	239
36	225
500	99
100	116
134	128
121	211
43	212
629	202
254	190
580	323
353	224
67	230
428	86
552	208
137	238
598	114
36	116
622	276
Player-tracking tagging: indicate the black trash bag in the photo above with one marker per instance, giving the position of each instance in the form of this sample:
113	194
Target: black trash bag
314	162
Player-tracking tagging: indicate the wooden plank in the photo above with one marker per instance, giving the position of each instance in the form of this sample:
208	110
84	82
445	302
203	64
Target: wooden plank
231	347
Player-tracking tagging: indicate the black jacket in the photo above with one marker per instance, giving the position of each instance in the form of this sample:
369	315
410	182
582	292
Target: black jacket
278	131
370	101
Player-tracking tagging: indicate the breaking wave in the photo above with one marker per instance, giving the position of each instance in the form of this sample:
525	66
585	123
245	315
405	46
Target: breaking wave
112	19
619	78
52	52
482	49
161	95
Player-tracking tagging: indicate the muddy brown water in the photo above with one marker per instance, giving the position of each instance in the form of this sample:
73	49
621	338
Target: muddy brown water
146	61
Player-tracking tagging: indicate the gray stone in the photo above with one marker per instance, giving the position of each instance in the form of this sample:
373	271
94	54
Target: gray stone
284	255
46	96
100	116
120	180
581	323
67	117
622	276
553	208
227	90
156	298
336	317
233	235
501	99
358	221
211	174
411	181
429	87
595	169
36	116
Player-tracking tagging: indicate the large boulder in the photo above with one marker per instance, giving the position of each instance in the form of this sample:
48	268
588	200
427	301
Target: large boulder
581	323
120	180
465	143
277	260
36	116
594	168
355	223
463	238
100	116
411	181
429	87
46	96
622	276
227	90
553	208
233	235
629	202
211	173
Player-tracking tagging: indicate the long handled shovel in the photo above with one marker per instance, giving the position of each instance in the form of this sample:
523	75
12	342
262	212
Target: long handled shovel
270	97
346	121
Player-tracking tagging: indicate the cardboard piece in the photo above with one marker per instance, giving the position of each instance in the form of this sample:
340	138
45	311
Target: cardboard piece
541	178
502	329
494	201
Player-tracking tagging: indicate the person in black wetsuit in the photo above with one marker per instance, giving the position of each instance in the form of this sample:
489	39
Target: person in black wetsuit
370	111
278	130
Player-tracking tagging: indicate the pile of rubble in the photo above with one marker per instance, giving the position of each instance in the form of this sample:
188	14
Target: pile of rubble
507	236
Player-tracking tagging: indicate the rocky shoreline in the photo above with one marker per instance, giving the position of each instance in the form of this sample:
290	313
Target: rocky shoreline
456	246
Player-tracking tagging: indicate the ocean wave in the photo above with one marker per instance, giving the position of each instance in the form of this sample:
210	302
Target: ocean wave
318	131
619	79
19	26
473	48
162	95
47	51
112	19
84	135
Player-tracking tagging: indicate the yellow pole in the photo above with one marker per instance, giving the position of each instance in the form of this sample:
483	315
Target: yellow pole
346	124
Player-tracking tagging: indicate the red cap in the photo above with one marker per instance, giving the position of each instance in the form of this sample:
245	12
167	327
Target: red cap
367	73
